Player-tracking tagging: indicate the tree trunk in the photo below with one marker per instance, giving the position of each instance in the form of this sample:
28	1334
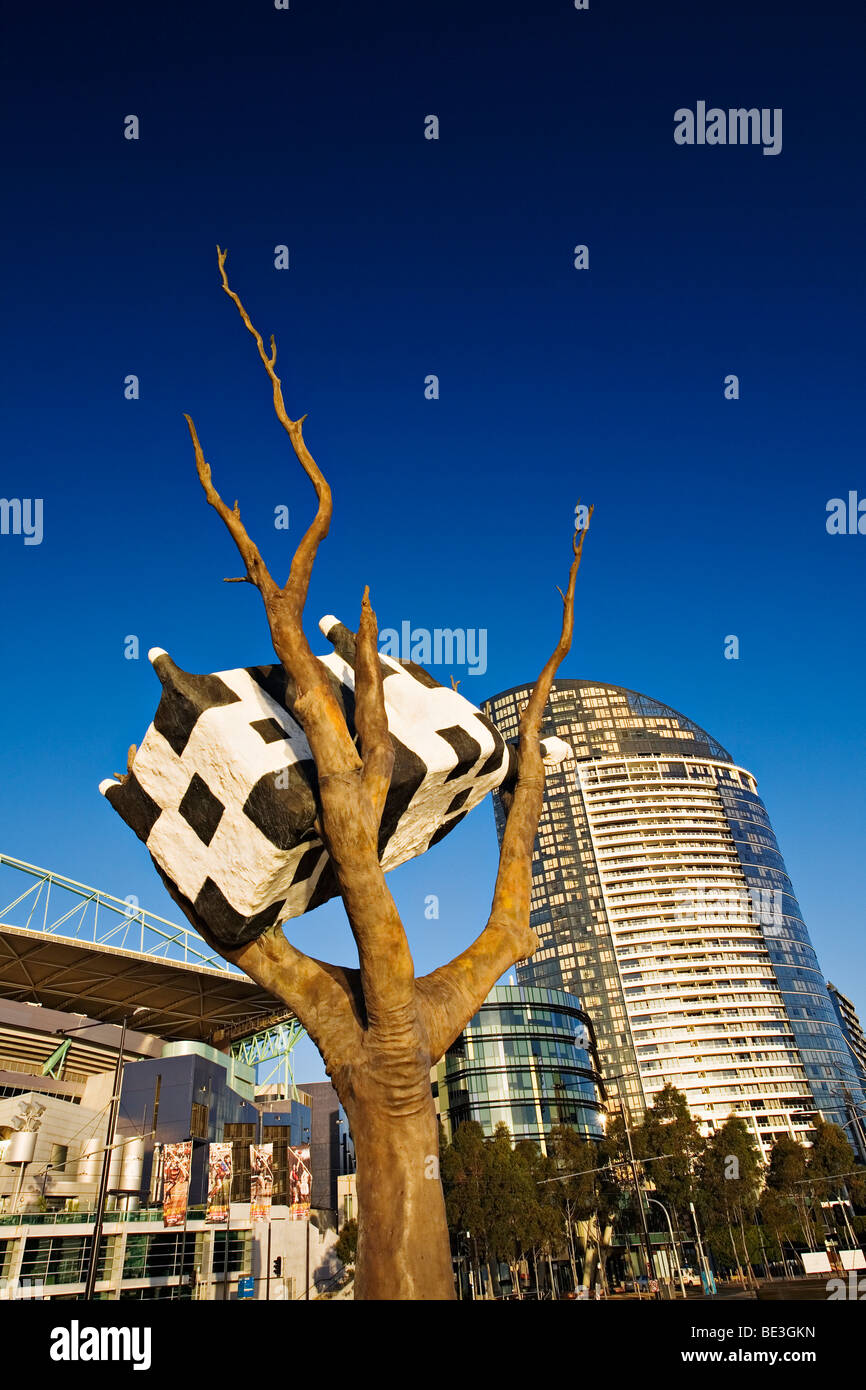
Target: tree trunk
478	1284
404	1251
553	1292
605	1236
569	1227
740	1274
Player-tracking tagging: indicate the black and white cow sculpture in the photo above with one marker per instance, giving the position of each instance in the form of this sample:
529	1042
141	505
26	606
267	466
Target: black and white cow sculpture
223	787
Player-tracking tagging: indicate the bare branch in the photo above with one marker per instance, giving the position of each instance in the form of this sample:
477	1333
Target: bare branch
371	720
456	991
302	564
316	706
130	757
531	718
257	571
352	782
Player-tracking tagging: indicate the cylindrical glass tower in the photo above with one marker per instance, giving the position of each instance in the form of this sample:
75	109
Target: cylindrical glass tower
661	898
524	1060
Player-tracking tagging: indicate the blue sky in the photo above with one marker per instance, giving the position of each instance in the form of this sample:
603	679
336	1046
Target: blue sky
409	257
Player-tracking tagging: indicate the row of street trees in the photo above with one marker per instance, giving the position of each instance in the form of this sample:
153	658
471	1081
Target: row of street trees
513	1205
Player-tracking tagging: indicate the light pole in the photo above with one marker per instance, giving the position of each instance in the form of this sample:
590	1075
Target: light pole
657	1203
704	1265
650	1267
93	1263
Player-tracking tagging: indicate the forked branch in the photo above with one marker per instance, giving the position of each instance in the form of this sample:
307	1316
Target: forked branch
328	735
257	571
298	582
371	720
454	992
353	783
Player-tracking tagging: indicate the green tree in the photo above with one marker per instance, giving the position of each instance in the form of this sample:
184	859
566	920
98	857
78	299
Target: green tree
540	1229
497	1193
510	1199
347	1246
617	1199
830	1160
669	1129
832	1177
784	1203
463	1168
576	1157
781	1221
577	1195
729	1178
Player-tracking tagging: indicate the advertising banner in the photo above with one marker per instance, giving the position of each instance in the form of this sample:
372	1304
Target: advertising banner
261	1181
177	1159
300	1183
219	1182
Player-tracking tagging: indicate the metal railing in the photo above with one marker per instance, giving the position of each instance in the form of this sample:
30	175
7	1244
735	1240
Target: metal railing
57	905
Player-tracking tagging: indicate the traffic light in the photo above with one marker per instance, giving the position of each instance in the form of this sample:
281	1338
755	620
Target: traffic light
278	1266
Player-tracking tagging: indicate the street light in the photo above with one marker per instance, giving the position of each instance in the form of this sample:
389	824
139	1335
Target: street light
650	1267
657	1203
709	1282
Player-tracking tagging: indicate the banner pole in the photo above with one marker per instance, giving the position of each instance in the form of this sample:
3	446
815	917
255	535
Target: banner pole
226	1251
185	1216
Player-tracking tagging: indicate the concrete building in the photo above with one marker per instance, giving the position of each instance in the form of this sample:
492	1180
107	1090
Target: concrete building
850	1024
190	1092
852	1032
46	1257
64	1062
56	1052
661	899
49	1174
65	947
332	1153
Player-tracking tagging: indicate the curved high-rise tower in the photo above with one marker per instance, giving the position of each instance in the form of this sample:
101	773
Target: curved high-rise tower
660	897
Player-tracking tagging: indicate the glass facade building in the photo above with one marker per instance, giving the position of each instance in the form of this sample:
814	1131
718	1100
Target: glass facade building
526	1059
661	898
852	1030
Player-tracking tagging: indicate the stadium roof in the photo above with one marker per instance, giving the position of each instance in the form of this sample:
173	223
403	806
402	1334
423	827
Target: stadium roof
106	966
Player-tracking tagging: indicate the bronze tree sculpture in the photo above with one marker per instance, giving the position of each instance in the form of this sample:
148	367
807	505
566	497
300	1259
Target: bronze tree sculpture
379	1028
